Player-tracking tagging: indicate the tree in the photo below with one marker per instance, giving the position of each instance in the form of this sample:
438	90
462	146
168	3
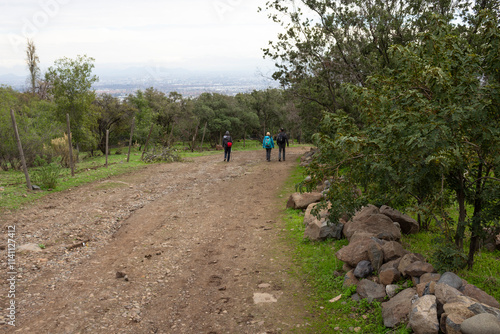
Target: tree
71	88
430	134
113	114
32	60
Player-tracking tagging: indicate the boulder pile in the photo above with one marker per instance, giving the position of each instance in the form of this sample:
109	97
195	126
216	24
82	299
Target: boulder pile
376	262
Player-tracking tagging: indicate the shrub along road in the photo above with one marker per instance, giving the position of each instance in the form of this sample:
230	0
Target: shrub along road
191	247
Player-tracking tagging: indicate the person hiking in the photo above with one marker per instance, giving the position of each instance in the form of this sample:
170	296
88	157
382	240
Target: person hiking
227	143
268	144
282	141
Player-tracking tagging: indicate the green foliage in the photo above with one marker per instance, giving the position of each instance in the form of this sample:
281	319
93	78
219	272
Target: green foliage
448	257
47	176
71	87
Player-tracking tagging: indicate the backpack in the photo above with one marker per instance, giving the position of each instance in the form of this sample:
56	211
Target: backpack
229	144
267	142
281	138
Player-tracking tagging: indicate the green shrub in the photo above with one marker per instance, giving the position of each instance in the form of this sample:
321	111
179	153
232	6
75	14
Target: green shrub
448	257
47	177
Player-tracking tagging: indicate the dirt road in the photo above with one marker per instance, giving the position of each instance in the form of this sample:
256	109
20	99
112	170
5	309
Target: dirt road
191	247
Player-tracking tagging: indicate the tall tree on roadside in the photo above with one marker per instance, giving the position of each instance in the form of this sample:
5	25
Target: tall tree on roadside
32	61
71	88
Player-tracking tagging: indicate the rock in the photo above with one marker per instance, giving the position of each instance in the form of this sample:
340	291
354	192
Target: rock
445	293
376	225
375	255
407	260
355	252
320	230
371	291
452	323
459	306
363	269
481	324
35	187
391	264
29	248
391	290
423	316
302	201
430	277
309	217
350	279
418	268
393	250
408	224
396	310
451	279
259	298
473	291
389	275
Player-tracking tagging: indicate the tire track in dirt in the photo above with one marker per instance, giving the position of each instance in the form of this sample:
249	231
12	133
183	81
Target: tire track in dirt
197	239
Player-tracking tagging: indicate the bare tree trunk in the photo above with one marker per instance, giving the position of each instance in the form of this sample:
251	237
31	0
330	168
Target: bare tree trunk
130	141
20	148
147	141
70	147
203	137
107	147
194	137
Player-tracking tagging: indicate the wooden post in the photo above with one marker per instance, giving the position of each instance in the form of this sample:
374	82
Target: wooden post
203	137
70	147
107	147
20	148
147	141
130	141
194	137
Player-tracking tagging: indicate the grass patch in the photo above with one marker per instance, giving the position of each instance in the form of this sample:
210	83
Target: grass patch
317	266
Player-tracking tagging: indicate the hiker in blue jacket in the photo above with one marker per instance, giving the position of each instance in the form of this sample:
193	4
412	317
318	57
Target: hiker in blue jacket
268	144
227	143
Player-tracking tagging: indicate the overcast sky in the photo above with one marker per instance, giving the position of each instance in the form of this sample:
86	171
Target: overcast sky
192	34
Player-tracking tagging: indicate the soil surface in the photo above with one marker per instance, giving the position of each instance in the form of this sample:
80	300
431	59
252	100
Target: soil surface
190	247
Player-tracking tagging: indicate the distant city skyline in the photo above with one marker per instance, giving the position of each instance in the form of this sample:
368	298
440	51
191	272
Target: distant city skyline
196	35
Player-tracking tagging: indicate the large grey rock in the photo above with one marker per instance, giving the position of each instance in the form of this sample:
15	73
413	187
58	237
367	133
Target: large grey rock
445	293
388	275
423	316
408	224
407	260
371	291
363	269
321	230
375	254
473	291
396	310
355	251
451	279
376	225
393	250
418	268
302	201
430	277
309	217
481	324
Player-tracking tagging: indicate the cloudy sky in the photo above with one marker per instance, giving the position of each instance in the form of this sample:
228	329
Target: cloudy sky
192	34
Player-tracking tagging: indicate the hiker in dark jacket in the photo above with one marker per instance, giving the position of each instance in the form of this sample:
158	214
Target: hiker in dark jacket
227	143
268	144
282	140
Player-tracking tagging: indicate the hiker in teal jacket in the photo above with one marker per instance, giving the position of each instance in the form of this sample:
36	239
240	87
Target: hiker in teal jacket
268	144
